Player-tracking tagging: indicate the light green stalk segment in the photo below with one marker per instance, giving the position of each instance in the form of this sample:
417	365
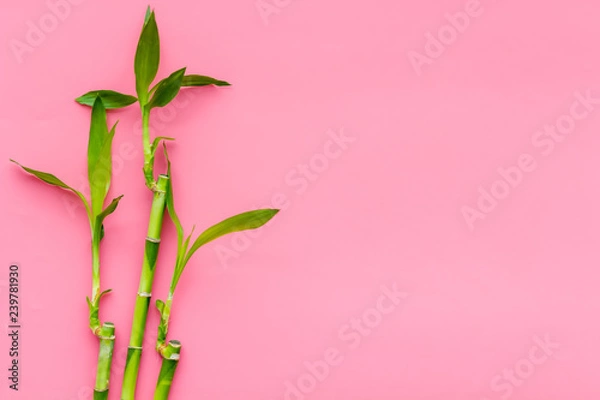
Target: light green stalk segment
170	356
142	303
148	158
107	344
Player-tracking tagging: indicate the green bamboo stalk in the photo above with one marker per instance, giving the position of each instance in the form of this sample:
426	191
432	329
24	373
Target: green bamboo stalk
105	332
185	250
99	177
107	344
150	95
142	303
170	354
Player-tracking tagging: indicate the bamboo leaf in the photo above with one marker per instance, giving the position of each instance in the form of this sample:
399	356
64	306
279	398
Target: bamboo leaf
110	99
147	57
157	140
160	305
99	156
94	309
171	204
99	223
110	208
147	16
163	326
201	80
167	89
54	181
241	222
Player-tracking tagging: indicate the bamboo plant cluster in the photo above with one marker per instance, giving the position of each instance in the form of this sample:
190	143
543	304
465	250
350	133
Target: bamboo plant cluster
150	96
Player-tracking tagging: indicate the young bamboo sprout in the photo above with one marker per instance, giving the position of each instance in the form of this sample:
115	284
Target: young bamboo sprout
99	176
170	351
146	64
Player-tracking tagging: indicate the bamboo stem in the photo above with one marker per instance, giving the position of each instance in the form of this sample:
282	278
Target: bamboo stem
106	334
142	303
95	267
148	158
170	361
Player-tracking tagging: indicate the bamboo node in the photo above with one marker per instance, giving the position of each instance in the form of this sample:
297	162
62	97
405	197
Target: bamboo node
144	294
152	240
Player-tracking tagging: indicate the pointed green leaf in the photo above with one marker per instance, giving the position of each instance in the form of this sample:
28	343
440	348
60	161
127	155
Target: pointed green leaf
241	222
147	58
201	80
97	136
160	306
148	13
54	181
167	89
99	223
157	140
171	204
110	208
110	99
99	156
181	247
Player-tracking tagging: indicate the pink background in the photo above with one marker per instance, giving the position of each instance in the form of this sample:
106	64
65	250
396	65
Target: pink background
386	210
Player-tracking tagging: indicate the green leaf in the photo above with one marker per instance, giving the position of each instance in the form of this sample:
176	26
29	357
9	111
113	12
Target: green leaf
99	224
94	309
171	205
99	156
147	58
167	89
153	147
110	208
110	99
241	222
157	140
160	306
54	181
163	326
148	13
201	80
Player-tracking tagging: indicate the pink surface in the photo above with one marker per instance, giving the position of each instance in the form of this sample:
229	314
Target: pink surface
468	183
